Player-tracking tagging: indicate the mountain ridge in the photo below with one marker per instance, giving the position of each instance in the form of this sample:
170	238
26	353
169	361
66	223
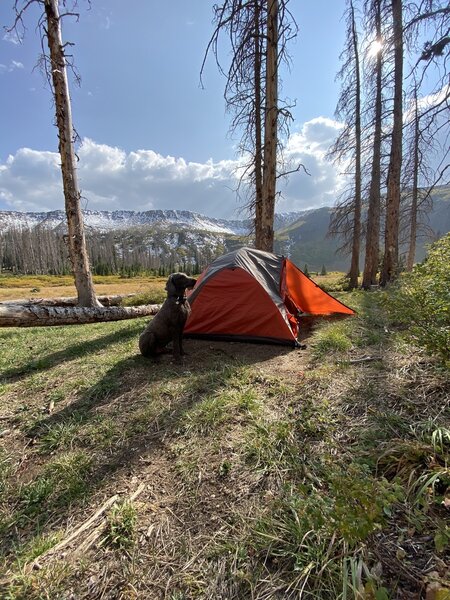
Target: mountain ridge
301	235
104	221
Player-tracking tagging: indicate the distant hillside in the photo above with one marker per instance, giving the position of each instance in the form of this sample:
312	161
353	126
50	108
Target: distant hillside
306	240
175	237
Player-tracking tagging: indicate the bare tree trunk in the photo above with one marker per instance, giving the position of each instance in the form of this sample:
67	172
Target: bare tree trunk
356	240
415	188
112	300
258	132
390	261
270	128
16	315
373	217
76	239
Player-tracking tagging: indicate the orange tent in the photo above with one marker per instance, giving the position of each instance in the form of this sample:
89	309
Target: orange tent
251	295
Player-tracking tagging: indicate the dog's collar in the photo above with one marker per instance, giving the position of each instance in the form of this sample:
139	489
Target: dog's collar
180	299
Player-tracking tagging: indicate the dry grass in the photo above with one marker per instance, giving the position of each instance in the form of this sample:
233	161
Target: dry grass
32	287
46	286
262	472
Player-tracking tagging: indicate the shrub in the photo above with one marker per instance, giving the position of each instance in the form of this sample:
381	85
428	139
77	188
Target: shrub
421	301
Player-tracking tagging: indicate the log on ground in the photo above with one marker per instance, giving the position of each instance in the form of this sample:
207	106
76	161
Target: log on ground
14	315
112	300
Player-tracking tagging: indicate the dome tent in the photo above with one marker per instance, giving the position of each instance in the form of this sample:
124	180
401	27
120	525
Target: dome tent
255	296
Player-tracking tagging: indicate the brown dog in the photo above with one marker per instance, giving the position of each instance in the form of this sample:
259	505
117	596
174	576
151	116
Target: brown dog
168	323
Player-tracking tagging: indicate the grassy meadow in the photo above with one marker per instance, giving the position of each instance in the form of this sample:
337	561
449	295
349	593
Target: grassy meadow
248	472
52	286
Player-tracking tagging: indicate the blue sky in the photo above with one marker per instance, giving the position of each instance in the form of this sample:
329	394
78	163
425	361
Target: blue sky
151	136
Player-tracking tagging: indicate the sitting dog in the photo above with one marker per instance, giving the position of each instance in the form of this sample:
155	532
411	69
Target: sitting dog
168	323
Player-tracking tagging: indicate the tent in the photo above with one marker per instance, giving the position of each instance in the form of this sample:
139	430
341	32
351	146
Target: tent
255	296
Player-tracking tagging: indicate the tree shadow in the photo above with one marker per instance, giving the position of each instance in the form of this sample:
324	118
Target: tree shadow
46	362
203	373
203	360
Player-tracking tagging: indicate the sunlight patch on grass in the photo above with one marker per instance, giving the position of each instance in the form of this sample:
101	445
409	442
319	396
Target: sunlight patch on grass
38	545
62	481
61	434
121	525
330	339
49	582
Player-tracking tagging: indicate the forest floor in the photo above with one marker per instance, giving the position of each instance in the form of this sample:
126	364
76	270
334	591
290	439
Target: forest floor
248	472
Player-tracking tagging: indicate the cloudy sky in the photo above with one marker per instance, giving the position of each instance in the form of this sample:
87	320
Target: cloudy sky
151	136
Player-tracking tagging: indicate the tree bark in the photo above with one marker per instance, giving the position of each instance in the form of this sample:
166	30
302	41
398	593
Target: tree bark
356	238
415	188
76	239
14	315
373	217
113	300
258	132
270	128
391	239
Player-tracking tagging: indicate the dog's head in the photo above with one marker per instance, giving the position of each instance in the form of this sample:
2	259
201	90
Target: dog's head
178	283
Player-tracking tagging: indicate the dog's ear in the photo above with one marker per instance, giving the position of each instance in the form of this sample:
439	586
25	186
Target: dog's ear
170	286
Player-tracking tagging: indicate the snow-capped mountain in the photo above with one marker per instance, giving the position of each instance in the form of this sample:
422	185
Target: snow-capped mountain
104	221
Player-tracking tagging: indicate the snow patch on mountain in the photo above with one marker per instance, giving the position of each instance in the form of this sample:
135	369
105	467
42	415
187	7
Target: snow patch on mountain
104	221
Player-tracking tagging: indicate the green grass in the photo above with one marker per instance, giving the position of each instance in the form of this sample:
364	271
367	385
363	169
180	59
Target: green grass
156	294
62	482
266	472
121	526
332	338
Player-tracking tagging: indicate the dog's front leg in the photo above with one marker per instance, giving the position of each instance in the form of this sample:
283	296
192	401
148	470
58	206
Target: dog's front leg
182	352
177	349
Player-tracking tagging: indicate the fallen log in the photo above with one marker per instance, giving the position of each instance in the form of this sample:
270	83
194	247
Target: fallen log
15	315
113	300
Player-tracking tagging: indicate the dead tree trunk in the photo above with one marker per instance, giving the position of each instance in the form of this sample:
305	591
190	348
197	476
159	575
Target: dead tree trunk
391	240
76	239
356	237
415	188
270	128
258	132
15	315
112	300
373	216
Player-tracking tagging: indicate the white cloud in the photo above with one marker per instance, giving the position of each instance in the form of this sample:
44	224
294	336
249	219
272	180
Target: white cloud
13	65
29	179
12	37
324	183
436	98
427	102
112	179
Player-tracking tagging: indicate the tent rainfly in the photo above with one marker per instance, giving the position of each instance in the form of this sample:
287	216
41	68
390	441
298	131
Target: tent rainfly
254	296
